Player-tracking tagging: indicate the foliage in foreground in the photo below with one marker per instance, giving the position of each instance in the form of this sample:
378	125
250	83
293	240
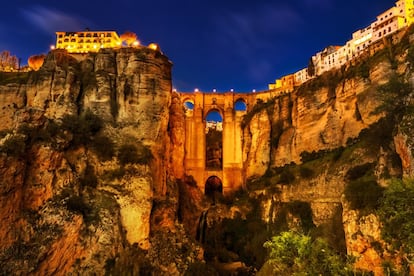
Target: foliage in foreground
292	253
397	215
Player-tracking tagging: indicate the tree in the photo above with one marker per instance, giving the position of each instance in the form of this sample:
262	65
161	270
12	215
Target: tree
396	98
36	61
292	253
129	38
8	61
397	216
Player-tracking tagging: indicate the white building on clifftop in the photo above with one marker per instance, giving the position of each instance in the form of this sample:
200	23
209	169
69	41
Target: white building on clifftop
333	57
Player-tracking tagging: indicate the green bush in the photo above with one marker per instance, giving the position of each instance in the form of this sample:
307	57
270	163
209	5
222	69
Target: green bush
134	154
82	127
14	146
104	147
77	204
396	212
292	253
359	171
364	194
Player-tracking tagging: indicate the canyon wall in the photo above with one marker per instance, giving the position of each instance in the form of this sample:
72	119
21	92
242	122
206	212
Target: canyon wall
85	153
338	119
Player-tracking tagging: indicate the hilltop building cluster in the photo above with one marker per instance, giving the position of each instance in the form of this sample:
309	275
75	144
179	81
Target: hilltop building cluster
92	41
87	41
333	57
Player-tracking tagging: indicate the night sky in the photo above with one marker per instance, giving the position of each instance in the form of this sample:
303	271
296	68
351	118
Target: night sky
213	44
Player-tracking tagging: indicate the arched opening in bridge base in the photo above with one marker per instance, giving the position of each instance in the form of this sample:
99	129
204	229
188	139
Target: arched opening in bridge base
213	188
214	140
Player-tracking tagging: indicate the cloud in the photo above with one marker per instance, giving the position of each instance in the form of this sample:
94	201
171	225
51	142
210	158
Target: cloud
51	20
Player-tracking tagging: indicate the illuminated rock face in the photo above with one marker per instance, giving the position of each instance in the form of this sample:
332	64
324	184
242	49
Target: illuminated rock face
130	90
278	129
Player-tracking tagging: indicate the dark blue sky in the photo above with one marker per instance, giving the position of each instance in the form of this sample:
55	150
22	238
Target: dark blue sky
214	44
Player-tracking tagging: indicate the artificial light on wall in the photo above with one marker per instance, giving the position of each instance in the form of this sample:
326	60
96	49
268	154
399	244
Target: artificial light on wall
153	46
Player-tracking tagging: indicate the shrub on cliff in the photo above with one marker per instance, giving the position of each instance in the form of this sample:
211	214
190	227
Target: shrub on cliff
14	146
103	146
363	193
292	253
396	212
395	96
82	127
134	154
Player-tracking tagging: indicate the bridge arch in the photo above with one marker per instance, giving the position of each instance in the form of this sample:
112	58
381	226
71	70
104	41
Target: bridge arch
213	185
213	109
240	104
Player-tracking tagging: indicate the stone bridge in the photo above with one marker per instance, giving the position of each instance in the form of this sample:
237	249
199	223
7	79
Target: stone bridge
231	171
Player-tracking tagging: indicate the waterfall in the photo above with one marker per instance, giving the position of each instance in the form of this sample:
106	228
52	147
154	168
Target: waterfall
202	227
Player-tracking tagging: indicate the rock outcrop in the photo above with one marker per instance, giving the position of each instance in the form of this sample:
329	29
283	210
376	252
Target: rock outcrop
85	152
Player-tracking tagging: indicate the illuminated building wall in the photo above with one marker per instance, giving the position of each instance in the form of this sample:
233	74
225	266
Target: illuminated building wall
87	41
301	76
284	84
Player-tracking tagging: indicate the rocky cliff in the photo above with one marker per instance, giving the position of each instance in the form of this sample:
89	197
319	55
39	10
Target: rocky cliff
333	141
84	160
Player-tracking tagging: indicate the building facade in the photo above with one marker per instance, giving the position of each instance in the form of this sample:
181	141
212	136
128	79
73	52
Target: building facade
333	57
87	41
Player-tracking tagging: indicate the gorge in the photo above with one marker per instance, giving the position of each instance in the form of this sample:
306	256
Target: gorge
103	167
